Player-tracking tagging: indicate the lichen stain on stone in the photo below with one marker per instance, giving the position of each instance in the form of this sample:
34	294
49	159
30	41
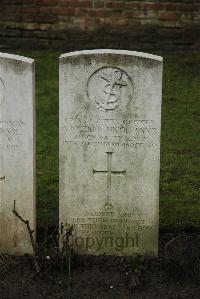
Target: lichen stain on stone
11	64
79	61
17	66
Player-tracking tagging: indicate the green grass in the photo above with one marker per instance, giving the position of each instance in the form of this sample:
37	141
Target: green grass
47	135
179	181
180	146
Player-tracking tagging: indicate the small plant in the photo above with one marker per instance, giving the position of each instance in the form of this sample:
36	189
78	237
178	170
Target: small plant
136	267
65	233
49	251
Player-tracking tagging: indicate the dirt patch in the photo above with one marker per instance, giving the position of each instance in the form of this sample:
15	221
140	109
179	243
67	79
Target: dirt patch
174	274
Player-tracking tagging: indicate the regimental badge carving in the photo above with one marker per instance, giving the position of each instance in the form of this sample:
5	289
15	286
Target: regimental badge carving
2	91
110	88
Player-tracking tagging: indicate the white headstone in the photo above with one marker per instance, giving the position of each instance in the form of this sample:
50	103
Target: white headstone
110	115
17	152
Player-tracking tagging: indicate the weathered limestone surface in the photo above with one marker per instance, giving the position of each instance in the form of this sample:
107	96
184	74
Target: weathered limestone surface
17	152
110	115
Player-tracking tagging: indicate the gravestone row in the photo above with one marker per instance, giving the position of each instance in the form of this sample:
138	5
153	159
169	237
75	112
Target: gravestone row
109	132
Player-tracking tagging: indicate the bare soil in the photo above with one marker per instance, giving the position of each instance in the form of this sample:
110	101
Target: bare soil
174	274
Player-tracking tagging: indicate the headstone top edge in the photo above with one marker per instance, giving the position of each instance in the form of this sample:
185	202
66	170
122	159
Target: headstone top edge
17	58
112	51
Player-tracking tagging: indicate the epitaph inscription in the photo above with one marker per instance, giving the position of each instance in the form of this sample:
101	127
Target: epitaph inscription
110	88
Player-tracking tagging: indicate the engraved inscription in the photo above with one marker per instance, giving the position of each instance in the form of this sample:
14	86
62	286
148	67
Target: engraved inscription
109	172
107	223
11	137
110	131
11	130
10	133
110	88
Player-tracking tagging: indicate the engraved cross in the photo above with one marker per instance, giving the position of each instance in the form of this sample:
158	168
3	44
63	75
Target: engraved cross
109	172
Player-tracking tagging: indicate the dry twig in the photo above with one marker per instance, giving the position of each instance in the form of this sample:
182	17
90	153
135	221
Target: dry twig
174	239
33	243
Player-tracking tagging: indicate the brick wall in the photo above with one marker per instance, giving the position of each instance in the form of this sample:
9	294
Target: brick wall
78	24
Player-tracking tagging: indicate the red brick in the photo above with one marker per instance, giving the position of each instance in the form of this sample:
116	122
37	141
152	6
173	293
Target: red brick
10	25
153	6
46	10
171	6
28	18
13	9
137	14
98	3
152	14
85	3
81	12
57	16
46	18
66	20
150	22
68	3
186	7
168	23
168	15
115	4
31	33
29	9
132	5
118	22
99	13
19	2
11	2
28	26
76	3
133	22
44	26
10	18
64	11
46	2
28	2
196	16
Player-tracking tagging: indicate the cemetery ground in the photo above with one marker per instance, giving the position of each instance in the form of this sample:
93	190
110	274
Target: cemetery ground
176	273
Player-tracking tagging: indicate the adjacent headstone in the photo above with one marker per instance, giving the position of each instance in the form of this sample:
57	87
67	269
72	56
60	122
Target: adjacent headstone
110	115
17	152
